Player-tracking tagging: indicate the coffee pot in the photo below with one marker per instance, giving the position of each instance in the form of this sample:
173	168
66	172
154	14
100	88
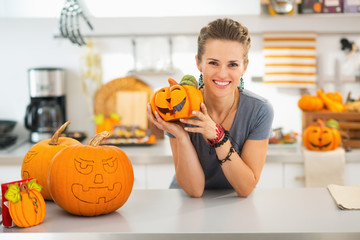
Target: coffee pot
46	111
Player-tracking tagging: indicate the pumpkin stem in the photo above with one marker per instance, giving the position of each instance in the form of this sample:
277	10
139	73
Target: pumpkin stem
95	141
320	123
55	138
23	187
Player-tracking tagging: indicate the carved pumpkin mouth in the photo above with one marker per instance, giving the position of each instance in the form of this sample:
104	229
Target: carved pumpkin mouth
95	195
175	109
320	147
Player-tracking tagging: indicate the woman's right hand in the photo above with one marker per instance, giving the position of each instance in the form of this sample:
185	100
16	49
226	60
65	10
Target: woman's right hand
174	128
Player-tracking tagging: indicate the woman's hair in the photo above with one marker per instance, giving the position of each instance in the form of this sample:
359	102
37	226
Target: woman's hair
224	29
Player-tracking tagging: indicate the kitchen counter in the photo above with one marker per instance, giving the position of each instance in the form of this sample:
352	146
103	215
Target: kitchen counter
161	153
306	213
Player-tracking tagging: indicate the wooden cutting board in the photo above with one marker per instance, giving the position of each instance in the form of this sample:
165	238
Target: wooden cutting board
128	97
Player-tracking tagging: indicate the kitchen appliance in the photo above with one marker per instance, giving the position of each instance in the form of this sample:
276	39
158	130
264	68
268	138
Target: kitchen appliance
46	111
6	137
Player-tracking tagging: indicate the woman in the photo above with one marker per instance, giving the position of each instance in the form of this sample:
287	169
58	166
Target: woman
225	145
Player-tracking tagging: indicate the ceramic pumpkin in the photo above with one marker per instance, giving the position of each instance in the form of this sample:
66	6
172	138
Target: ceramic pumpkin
91	180
26	205
310	103
37	160
178	100
321	138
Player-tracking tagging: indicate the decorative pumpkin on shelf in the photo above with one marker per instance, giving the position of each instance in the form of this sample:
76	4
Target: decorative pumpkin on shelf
321	138
37	160
331	105
26	204
335	96
106	123
310	103
178	100
91	180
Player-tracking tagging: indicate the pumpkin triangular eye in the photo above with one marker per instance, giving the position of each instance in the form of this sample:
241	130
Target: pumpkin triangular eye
180	105
315	130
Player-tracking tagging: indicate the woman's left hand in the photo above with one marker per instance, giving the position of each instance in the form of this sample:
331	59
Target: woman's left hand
203	124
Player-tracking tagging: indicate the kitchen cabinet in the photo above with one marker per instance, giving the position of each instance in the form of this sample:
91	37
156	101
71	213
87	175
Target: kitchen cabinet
352	173
294	175
272	176
10	173
153	176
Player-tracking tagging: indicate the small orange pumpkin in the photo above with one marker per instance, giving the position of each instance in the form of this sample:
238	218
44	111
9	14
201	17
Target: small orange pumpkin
336	96
37	160
178	100
26	204
91	180
321	138
310	103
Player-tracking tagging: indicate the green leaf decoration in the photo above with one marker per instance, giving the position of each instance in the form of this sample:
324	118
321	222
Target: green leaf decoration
13	193
99	119
189	80
33	185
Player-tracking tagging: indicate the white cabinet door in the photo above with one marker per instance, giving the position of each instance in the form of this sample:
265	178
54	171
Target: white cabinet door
271	176
10	173
159	176
294	175
352	174
139	176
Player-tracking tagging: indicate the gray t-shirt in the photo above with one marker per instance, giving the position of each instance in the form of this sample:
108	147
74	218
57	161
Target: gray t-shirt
253	120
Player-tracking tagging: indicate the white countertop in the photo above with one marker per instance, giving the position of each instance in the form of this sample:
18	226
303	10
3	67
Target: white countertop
303	213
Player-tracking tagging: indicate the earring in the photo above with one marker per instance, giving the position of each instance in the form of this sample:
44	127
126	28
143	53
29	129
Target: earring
201	81
241	85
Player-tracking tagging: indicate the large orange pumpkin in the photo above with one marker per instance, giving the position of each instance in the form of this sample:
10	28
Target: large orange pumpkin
178	100
321	138
91	180
26	204
37	160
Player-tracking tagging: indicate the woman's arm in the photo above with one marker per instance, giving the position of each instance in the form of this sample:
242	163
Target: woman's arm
189	173
243	172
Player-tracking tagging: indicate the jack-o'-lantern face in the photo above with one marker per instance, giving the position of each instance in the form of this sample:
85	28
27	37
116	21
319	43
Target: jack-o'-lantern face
96	180
87	180
171	102
321	138
177	101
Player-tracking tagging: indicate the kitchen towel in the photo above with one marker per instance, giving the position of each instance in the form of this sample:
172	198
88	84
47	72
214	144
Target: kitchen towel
324	167
290	59
345	197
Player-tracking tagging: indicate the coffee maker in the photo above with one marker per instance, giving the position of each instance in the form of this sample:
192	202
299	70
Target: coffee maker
46	111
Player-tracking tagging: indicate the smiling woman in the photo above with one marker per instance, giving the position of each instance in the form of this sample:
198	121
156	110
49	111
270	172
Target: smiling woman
224	145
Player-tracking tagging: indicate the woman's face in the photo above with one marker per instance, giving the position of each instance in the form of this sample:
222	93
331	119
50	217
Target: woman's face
222	65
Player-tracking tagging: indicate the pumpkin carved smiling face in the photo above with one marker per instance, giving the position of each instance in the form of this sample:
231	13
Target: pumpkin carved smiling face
91	180
177	101
321	138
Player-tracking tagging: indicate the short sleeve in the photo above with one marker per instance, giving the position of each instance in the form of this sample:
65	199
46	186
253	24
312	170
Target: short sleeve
262	126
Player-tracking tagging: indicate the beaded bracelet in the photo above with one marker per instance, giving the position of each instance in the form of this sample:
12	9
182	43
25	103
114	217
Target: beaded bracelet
227	158
225	138
220	131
